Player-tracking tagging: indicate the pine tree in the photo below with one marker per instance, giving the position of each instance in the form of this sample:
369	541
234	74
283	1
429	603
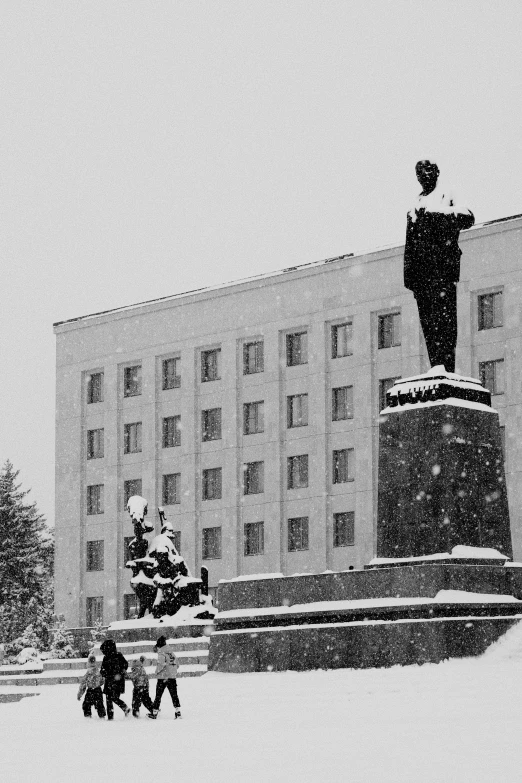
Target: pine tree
26	562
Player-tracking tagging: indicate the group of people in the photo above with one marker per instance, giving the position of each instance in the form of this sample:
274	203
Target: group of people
110	678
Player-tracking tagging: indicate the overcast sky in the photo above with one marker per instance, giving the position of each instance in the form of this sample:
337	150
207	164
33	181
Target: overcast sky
154	147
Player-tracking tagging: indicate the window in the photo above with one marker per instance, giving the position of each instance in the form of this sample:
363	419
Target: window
385	385
171	489
132	438
211	424
132	381
296	349
342	336
297	534
389	330
171	431
212	484
130	607
211	365
298	471
492	376
343	466
95	387
342	403
297	410
211	540
126	544
490	309
254	538
94	556
171	373
253	417
94	444
253	357
130	488
253	481
343	533
95	499
176	540
94	613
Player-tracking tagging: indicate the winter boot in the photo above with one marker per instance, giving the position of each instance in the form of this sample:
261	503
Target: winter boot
177	714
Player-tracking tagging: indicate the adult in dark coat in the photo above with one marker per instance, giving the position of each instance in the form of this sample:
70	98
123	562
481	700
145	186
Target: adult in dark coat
113	669
432	263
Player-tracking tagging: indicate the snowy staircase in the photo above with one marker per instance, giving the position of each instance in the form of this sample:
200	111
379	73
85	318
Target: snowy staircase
191	655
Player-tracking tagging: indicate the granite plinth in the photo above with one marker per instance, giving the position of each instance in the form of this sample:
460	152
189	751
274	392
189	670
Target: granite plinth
441	480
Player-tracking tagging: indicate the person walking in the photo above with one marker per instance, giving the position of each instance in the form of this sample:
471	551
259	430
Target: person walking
140	693
90	684
113	669
166	671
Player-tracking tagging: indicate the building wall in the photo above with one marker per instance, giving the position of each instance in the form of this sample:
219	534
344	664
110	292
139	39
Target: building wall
310	298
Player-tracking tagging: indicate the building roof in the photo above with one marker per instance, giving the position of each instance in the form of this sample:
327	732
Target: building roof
262	276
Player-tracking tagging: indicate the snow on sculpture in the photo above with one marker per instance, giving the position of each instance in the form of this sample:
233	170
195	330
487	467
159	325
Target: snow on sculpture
161	579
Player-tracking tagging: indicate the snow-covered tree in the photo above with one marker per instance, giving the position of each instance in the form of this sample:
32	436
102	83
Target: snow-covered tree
62	643
26	564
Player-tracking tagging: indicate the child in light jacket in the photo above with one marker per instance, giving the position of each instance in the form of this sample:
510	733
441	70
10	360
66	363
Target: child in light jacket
166	671
91	684
140	693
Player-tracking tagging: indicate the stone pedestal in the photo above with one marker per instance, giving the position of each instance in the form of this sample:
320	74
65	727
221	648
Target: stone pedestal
441	469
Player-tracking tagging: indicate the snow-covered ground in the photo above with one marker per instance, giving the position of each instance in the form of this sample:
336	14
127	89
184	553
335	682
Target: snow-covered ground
456	721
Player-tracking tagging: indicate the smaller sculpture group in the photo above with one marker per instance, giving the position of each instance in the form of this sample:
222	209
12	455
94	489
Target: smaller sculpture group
160	577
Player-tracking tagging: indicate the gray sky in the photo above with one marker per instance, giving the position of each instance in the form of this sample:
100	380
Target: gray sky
153	147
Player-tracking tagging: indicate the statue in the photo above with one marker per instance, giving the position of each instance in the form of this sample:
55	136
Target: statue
432	263
160	576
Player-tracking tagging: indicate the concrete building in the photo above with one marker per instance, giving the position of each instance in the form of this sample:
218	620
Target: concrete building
250	412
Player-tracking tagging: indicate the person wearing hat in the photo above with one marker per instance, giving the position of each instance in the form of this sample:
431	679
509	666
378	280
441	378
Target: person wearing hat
432	262
113	669
166	671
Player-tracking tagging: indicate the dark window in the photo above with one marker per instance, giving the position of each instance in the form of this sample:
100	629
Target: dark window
343	466
490	312
342	335
132	381
211	424
132	438
492	376
389	330
211	541
298	471
171	431
343	533
95	499
385	385
212	484
95	387
129	606
94	613
94	556
171	489
171	373
253	359
297	534
296	348
342	403
130	488
253	482
297	410
254	538
253	417
94	444
126	544
211	365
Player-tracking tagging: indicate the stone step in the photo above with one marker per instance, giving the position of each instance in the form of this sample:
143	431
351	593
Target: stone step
183	657
182	644
73	676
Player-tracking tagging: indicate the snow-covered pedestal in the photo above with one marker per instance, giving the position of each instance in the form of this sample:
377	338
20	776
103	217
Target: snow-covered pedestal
441	469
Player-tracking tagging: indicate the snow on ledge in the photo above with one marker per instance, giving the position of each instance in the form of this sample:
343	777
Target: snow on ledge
415	406
459	552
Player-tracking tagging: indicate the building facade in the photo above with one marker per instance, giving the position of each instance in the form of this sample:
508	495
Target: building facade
250	413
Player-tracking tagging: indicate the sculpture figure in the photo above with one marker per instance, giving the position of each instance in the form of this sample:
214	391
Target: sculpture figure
432	263
142	567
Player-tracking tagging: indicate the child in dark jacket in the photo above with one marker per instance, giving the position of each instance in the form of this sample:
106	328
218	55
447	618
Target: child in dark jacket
90	684
140	693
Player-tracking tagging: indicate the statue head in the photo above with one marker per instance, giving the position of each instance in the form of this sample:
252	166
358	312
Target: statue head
427	173
137	508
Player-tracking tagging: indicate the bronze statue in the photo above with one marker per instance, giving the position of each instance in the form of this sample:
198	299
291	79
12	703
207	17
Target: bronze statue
432	263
